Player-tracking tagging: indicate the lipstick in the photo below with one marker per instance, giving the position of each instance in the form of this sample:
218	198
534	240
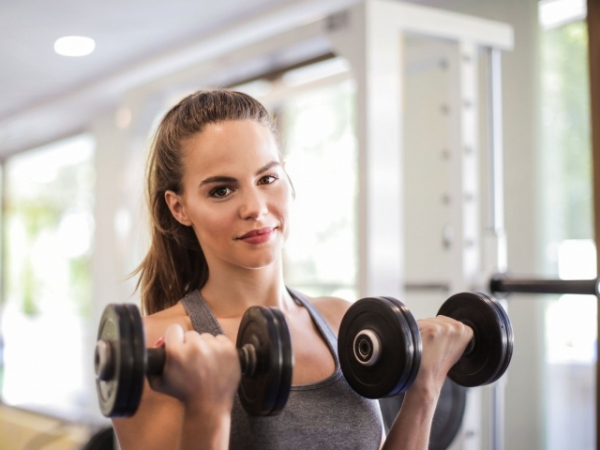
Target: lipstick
258	236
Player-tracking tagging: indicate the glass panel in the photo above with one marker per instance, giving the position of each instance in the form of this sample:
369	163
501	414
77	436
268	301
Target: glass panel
570	321
571	354
321	153
49	228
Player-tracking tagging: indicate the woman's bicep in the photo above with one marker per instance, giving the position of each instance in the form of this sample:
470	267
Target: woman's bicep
155	425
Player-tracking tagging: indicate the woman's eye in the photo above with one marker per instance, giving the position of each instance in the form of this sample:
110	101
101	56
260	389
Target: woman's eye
267	179
220	192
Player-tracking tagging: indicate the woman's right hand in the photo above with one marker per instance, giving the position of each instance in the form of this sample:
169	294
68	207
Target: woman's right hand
201	370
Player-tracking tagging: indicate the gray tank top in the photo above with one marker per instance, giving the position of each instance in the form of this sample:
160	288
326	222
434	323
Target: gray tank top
323	415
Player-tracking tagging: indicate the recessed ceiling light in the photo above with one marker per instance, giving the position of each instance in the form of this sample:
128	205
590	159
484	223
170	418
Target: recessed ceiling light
74	46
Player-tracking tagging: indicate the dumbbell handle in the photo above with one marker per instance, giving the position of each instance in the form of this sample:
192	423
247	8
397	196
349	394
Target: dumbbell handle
156	361
471	345
158	356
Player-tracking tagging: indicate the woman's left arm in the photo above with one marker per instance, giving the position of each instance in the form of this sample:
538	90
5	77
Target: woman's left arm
444	341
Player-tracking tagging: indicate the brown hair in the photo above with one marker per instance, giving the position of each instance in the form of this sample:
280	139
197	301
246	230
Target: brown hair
175	264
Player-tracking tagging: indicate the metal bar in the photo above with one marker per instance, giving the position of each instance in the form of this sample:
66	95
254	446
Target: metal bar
496	216
496	166
3	259
544	286
593	25
495	227
427	286
280	71
497	431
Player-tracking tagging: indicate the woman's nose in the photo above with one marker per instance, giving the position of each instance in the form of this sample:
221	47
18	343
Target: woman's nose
253	205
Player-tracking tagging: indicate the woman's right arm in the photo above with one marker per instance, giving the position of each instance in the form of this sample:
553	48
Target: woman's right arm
444	342
200	378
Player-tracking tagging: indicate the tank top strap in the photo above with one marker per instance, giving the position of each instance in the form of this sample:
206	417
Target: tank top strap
318	319
203	320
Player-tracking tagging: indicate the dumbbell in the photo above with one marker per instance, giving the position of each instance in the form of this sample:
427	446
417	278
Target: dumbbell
379	343
121	360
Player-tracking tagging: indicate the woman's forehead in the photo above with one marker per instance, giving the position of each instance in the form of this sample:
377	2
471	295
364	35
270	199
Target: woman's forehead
244	144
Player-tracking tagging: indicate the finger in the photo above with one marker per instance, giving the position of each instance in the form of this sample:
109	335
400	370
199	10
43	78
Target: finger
192	337
207	337
174	334
455	325
445	319
222	338
428	321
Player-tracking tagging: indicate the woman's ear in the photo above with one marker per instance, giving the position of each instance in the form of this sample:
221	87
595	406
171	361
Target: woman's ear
177	208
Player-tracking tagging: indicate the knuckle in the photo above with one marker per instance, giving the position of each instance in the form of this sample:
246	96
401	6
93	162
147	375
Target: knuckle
221	338
431	330
190	336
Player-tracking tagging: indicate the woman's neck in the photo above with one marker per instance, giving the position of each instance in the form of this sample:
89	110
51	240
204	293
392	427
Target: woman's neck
230	292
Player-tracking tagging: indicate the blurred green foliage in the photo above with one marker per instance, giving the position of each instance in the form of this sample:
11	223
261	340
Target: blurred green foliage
566	143
34	210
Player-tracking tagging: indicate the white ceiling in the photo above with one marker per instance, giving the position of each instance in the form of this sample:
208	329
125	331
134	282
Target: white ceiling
126	32
129	34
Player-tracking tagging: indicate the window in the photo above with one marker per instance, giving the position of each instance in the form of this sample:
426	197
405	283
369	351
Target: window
566	173
48	229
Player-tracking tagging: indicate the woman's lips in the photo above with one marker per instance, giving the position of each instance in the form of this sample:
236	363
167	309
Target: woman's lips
258	236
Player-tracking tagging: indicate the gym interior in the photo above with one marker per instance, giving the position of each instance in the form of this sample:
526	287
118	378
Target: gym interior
435	147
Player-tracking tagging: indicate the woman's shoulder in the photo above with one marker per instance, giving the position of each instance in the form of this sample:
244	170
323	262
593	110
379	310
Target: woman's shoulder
332	309
156	324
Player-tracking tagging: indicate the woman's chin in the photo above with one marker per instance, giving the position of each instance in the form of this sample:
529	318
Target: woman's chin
257	262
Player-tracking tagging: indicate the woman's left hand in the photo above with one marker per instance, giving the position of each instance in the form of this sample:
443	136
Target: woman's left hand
444	342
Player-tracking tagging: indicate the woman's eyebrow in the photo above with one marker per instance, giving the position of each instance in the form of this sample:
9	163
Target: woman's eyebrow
267	167
224	179
218	179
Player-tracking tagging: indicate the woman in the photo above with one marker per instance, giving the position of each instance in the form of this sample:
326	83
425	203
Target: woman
219	198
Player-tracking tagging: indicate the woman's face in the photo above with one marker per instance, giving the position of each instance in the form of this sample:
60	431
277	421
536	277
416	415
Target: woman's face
235	194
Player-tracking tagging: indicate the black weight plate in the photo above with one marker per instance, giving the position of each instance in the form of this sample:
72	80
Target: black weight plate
287	361
507	330
138	350
113	393
389	374
416	338
481	365
410	353
413	347
258	393
447	419
510	338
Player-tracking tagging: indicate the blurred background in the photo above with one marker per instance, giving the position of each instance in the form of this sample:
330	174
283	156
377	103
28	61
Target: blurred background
74	135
